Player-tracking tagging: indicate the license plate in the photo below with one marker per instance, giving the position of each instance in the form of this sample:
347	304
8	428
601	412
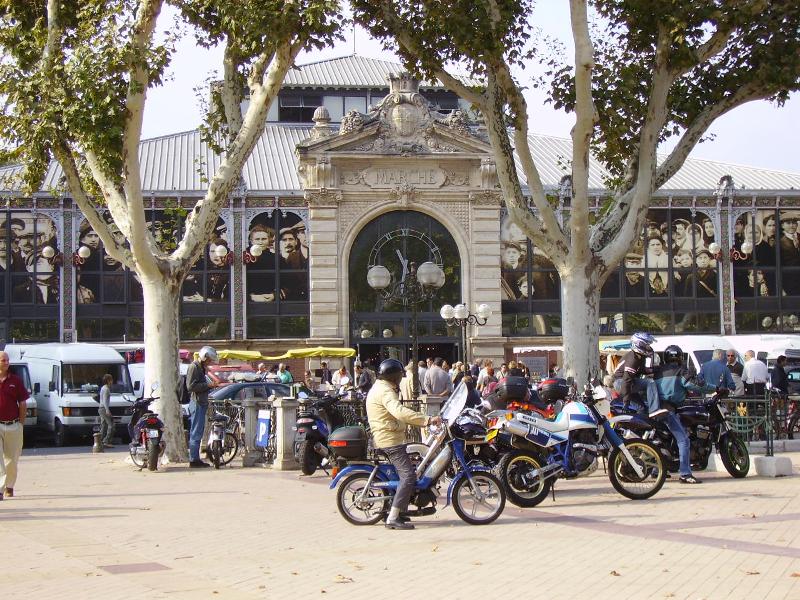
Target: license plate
491	434
214	437
152	433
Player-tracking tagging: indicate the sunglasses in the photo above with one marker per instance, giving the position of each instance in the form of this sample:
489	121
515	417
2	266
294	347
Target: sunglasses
731	356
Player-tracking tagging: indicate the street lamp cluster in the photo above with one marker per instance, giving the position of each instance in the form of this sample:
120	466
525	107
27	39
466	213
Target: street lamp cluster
420	284
459	315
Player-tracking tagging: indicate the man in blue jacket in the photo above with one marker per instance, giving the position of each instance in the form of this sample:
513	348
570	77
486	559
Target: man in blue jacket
673	381
716	372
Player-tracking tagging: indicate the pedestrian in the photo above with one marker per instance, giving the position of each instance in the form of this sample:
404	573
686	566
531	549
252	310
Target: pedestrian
341	377
325	373
487	382
106	420
779	381
197	382
13	397
284	375
387	420
754	374
475	369
437	382
262	371
421	372
363	382
309	381
407	383
736	368
487	364
715	372
473	397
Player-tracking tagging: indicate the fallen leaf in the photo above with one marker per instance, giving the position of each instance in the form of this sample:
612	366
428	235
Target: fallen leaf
753	572
323	592
343	579
262	587
795	574
295	573
615	574
476	563
435	548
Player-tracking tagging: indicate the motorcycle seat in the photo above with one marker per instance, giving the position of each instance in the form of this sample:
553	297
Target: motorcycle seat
219	418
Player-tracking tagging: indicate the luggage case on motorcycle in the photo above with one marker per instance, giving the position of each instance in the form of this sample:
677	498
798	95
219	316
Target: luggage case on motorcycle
553	389
512	388
348	442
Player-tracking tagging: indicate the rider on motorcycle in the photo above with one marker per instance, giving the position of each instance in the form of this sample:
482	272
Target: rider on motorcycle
631	374
387	421
672	381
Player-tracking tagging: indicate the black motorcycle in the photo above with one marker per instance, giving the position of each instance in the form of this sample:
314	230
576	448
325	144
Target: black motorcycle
706	424
146	430
316	420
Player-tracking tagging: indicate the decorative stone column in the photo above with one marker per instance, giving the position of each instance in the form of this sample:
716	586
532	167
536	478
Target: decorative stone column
285	421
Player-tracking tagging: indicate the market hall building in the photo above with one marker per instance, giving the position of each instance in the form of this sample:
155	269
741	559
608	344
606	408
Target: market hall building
391	172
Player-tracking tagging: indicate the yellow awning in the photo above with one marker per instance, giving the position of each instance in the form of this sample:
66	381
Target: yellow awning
316	352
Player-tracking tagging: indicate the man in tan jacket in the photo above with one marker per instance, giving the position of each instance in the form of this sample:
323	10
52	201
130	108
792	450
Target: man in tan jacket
387	420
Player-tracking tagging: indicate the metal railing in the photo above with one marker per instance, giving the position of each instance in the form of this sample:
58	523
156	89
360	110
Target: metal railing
236	426
759	418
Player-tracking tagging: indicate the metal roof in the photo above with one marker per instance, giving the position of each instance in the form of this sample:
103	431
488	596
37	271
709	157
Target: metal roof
352	71
183	163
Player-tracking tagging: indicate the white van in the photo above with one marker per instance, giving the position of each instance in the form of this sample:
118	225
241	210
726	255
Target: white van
21	370
768	346
698	349
66	381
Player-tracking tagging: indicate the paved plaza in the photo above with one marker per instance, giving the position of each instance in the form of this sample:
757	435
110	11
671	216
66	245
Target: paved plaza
93	526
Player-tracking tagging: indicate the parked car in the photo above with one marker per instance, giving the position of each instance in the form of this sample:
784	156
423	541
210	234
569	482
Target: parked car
236	392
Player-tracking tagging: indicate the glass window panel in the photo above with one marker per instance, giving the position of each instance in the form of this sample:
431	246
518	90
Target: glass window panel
114	287
611	286
88	329
294	327
206	328
516	325
358	103
545	285
743	283
2	288
546	324
113	329
652	322
611	323
658	284
135	329
22	289
262	327
218	287
261	287
685	323
790	281
515	285
334	106
708	322
34	330
192	290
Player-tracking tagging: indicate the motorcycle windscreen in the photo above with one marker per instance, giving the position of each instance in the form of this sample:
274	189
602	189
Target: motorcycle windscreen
450	409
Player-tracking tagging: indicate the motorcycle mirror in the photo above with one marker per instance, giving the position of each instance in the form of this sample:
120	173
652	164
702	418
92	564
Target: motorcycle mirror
154	386
302	396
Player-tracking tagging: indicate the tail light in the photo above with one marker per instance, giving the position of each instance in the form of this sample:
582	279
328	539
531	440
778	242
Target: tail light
152	421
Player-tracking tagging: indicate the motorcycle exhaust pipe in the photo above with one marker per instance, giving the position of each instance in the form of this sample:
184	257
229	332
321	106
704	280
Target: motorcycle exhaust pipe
516	428
321	449
531	479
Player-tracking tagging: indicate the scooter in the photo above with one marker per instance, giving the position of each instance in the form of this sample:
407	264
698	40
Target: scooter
365	490
146	431
215	448
316	419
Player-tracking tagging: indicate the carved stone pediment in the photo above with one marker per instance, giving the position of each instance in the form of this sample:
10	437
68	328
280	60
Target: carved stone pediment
321	197
403	123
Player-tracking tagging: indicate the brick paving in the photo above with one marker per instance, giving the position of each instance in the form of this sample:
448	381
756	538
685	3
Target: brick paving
91	526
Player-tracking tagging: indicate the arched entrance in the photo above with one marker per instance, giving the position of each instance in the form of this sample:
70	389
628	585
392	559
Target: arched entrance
382	328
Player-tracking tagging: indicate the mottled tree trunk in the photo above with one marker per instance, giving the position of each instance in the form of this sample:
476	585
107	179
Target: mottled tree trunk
580	301
161	307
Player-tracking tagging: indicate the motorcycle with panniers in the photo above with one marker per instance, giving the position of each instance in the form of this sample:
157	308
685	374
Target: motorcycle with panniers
706	423
535	450
365	489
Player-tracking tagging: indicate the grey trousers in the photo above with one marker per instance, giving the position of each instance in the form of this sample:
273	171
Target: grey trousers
405	471
106	425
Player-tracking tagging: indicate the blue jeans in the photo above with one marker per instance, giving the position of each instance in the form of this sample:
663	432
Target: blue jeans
196	427
647	390
679	433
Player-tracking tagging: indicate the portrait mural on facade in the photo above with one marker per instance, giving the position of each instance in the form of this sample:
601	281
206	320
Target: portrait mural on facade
765	256
99	277
669	263
210	278
28	252
277	258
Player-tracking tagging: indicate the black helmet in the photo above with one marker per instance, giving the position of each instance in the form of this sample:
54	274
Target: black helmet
673	353
390	366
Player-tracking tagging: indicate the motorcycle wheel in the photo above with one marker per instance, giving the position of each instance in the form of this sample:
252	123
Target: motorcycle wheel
472	510
308	458
510	469
216	453
152	454
734	455
137	459
347	501
794	427
624	478
230	449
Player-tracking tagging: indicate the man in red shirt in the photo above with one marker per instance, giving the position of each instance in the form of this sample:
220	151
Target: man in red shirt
12	415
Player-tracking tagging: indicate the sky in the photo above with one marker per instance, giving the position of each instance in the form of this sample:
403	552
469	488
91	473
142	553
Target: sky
757	134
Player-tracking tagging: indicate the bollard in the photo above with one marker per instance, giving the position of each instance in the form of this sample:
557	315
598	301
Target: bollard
251	456
285	422
98	442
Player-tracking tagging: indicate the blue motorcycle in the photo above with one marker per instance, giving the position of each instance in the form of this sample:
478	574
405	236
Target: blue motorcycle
366	490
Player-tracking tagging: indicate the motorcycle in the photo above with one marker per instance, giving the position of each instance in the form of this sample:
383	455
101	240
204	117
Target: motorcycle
535	451
220	440
365	490
316	419
706	424
146	431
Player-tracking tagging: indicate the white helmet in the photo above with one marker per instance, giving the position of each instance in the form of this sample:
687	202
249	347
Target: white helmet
207	353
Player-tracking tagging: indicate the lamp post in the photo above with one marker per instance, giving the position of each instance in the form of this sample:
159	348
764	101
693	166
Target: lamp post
460	315
419	284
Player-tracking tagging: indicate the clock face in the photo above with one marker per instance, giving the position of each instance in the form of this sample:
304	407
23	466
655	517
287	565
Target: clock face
397	249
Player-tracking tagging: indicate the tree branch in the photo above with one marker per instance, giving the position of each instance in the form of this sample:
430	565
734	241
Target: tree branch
64	157
232	91
581	132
